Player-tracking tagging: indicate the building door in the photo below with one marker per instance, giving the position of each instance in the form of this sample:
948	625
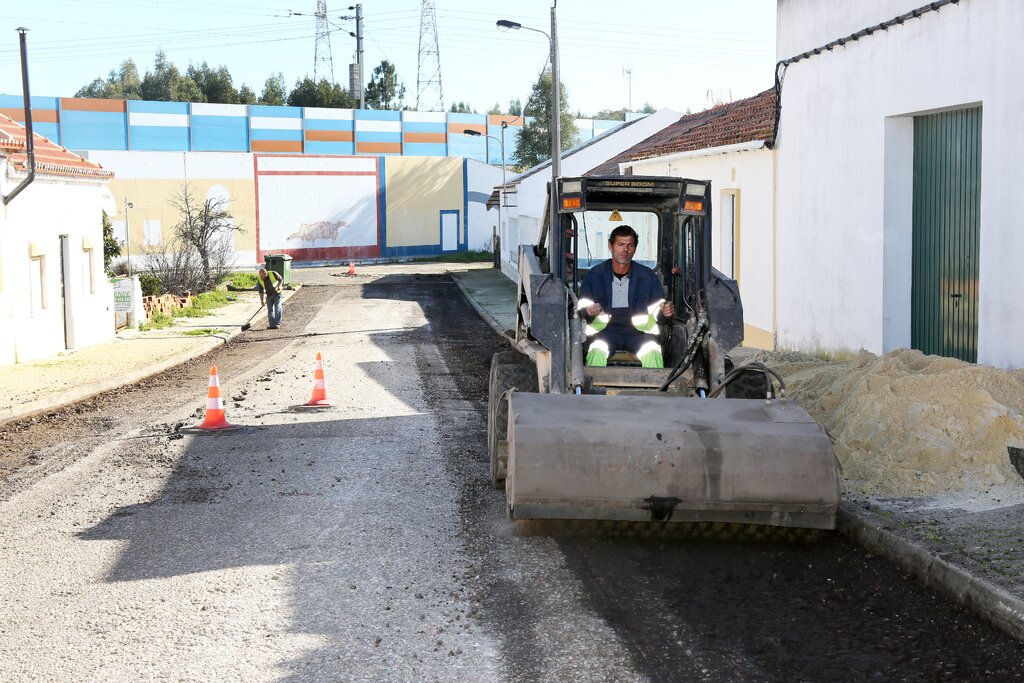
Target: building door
449	230
729	222
65	295
946	227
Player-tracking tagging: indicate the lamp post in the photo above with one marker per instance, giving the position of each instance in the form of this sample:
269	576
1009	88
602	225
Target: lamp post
501	193
555	257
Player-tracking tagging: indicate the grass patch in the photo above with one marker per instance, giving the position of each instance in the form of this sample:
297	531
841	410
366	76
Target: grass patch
215	298
157	321
203	332
190	312
203	303
240	280
461	257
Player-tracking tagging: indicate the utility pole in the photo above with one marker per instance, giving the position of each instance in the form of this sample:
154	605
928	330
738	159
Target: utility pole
128	235
355	71
557	259
429	95
323	61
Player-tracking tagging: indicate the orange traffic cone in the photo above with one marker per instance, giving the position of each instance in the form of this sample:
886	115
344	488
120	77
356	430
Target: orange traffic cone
351	268
319	397
215	418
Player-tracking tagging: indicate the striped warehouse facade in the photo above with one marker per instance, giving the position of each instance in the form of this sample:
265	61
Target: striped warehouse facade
82	124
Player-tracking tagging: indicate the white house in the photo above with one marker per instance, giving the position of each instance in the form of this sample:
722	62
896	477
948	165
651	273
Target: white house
898	158
730	145
54	294
526	193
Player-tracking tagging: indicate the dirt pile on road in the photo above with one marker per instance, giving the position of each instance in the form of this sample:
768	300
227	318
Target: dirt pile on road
909	424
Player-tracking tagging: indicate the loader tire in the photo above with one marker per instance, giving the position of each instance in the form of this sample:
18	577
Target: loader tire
751	384
509	370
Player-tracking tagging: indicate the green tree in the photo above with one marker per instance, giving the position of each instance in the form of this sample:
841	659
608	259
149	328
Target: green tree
306	93
274	92
215	84
385	90
111	247
515	107
165	83
121	84
462	108
534	143
611	114
246	95
648	108
495	110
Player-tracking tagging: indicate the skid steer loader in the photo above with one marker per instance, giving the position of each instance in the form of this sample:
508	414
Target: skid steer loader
696	441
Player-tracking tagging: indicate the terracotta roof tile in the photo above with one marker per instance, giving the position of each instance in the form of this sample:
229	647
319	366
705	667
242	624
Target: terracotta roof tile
51	159
744	120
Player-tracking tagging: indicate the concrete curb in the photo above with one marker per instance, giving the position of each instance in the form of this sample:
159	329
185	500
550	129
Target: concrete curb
878	535
203	345
484	315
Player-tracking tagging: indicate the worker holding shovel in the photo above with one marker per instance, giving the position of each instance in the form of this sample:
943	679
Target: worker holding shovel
271	283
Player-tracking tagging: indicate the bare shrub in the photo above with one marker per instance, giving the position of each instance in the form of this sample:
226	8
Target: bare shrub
206	227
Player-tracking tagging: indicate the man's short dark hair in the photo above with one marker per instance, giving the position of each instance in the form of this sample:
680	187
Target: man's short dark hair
623	231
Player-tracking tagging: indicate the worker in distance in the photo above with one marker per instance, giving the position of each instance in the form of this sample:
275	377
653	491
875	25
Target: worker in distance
271	283
622	303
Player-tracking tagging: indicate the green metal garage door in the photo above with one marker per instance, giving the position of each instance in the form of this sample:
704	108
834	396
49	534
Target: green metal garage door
947	191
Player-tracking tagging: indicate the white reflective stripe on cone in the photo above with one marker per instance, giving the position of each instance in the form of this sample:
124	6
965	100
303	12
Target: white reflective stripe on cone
214	381
319	384
215	403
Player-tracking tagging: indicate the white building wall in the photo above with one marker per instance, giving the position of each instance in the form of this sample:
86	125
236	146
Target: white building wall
750	174
480	182
531	193
845	160
30	227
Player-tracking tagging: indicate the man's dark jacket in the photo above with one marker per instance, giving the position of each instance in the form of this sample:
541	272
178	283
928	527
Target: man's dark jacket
644	290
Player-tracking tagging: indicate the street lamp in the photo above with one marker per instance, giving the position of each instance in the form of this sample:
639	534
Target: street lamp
501	193
555	257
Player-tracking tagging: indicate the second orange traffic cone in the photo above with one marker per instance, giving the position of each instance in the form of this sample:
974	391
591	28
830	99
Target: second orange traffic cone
319	397
215	417
351	268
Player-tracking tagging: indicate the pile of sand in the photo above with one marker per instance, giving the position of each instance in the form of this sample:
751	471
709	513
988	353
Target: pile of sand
907	424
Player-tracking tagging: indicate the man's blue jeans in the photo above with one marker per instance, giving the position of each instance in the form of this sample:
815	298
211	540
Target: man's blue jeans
274	310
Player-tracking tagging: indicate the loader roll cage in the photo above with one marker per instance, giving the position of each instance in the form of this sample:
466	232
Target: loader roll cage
683	208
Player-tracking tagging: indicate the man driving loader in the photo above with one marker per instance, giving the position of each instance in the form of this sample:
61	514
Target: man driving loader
622	303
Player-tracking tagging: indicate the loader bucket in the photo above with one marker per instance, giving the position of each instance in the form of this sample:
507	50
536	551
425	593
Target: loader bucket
669	458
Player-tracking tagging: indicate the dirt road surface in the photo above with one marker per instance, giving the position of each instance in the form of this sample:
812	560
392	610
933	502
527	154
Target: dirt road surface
364	541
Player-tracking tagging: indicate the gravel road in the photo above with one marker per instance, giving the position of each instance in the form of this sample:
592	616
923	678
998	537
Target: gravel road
364	542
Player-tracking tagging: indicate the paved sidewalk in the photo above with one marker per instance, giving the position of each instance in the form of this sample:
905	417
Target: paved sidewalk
952	550
49	383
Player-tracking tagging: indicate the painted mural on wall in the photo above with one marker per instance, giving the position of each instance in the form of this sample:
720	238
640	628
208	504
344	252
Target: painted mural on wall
318	208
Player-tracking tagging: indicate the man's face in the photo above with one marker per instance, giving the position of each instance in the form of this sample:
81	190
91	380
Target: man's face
623	249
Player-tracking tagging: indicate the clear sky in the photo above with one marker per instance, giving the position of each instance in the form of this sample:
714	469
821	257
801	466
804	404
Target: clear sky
675	50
